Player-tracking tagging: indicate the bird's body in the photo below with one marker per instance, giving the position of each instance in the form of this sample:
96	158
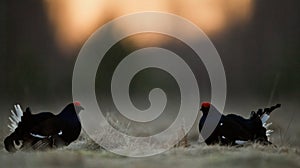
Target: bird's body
44	130
226	131
253	126
233	129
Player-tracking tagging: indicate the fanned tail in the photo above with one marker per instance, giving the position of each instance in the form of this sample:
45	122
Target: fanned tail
263	115
15	117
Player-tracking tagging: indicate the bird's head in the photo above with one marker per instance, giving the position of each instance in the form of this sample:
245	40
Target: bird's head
77	106
205	107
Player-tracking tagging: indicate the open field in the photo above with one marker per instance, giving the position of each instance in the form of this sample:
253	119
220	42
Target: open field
194	156
83	153
255	43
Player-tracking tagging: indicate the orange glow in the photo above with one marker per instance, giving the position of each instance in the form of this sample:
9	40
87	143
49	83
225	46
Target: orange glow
75	20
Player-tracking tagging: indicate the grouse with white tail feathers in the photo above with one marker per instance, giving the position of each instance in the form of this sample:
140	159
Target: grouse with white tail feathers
43	130
233	129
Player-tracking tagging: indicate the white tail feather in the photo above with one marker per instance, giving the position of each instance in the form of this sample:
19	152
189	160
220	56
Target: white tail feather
15	118
269	131
267	125
18	146
264	118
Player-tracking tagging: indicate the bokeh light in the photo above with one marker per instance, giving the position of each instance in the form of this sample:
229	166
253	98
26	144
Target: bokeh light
75	20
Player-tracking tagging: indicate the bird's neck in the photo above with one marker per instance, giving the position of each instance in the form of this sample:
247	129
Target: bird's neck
204	114
69	116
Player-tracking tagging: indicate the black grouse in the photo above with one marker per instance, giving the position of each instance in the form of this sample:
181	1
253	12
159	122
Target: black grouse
233	129
43	130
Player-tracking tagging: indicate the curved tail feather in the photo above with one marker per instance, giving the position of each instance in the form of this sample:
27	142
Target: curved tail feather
11	144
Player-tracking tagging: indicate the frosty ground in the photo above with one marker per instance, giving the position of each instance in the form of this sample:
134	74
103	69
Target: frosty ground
84	153
197	155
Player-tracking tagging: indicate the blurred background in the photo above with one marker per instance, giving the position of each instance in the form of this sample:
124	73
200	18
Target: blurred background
258	42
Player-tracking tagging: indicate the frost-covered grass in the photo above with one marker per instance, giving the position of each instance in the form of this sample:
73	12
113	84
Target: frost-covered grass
194	156
85	153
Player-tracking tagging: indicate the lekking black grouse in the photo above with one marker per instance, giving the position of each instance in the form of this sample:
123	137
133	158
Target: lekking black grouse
43	130
233	129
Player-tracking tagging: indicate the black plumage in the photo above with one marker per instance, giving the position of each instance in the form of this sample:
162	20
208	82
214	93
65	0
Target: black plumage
45	130
232	129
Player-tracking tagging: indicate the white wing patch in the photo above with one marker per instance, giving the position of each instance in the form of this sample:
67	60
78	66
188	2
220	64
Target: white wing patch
39	136
43	136
15	118
240	142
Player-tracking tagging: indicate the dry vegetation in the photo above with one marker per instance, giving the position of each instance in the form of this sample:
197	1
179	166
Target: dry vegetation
188	153
81	154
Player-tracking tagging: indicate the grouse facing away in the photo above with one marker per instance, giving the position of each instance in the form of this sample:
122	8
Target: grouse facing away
43	130
233	129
